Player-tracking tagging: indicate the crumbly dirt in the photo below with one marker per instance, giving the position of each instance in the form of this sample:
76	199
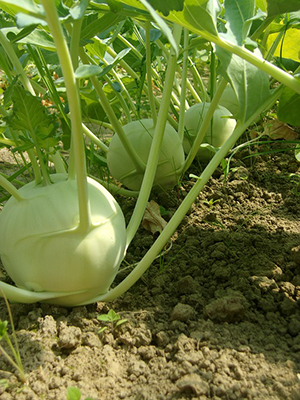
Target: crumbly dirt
215	317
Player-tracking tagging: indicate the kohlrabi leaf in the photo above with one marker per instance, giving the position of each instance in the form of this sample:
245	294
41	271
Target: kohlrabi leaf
167	5
78	10
289	106
28	111
13	7
288	47
92	27
37	37
198	16
238	16
250	84
85	71
24	20
276	7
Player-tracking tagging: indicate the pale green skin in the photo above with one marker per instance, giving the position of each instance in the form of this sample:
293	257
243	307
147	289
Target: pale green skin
222	128
229	100
43	250
140	133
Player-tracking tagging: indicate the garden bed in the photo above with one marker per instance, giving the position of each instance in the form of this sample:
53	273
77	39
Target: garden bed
217	316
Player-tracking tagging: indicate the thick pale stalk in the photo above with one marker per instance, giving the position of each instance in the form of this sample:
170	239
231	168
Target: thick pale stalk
75	112
153	157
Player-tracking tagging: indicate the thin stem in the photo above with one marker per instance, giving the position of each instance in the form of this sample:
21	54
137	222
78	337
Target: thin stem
15	350
75	39
149	72
75	113
16	62
94	138
183	85
138	164
156	143
9	187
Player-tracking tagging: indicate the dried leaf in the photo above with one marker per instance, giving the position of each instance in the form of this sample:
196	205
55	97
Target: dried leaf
279	130
153	220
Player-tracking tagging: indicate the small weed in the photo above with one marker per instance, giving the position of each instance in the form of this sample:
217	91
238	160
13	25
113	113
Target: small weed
15	360
112	319
210	203
73	393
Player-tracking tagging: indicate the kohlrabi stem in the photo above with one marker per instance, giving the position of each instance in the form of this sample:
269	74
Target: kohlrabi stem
205	125
58	162
9	50
149	72
75	112
183	84
9	187
75	39
94	138
139	165
198	82
153	157
184	207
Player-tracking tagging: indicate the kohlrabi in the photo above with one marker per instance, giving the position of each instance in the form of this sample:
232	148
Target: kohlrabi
44	248
221	127
140	135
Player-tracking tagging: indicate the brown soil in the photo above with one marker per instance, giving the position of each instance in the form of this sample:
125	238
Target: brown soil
216	317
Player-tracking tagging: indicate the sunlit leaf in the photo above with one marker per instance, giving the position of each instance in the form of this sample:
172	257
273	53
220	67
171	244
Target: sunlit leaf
85	71
289	46
276	7
25	6
250	84
289	107
238	15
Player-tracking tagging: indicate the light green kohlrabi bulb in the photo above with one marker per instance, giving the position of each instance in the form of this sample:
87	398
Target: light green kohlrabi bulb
222	127
43	250
140	134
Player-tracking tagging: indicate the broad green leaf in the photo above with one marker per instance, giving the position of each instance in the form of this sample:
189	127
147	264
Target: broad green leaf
289	46
238	15
96	26
289	107
167	5
276	7
250	84
262	5
73	393
38	38
13	7
24	20
199	16
28	111
85	71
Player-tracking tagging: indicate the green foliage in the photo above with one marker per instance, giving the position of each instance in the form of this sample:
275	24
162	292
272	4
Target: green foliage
73	393
276	7
289	106
112	319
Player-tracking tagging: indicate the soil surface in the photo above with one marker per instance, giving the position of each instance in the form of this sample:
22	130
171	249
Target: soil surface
215	317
